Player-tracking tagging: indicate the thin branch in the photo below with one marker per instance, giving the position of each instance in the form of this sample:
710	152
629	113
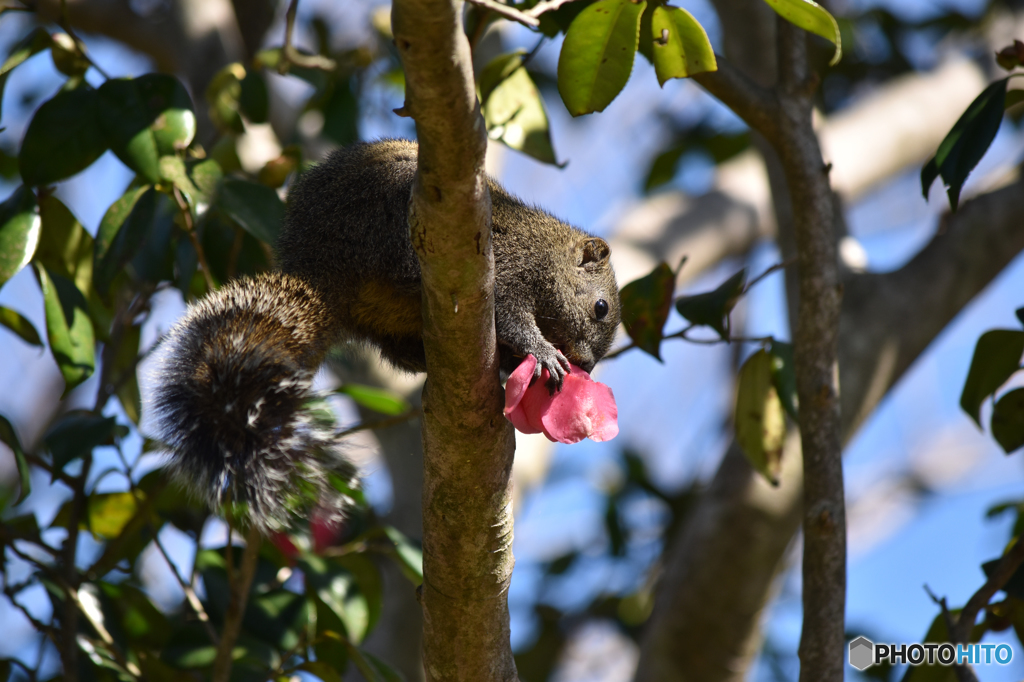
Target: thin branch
545	6
964	672
775	268
101	630
1002	573
190	594
190	229
236	606
507	12
65	23
757	106
290	56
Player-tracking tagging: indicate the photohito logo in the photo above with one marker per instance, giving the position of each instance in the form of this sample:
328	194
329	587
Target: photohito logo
864	653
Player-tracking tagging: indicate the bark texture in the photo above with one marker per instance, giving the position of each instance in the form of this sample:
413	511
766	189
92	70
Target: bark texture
468	445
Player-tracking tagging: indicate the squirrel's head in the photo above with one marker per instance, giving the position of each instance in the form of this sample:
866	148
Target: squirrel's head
593	313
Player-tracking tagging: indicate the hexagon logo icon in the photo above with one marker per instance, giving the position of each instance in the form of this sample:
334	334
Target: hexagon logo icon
862	653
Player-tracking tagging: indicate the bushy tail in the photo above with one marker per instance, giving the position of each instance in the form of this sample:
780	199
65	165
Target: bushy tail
232	402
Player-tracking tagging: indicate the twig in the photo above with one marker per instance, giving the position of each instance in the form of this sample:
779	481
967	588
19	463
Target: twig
964	672
1002	573
545	6
507	12
190	594
65	23
236	606
290	56
190	229
101	630
775	268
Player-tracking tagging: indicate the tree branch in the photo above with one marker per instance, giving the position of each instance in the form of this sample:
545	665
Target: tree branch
240	585
756	105
468	445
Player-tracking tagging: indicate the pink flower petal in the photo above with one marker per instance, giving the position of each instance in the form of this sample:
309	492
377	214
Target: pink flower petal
515	389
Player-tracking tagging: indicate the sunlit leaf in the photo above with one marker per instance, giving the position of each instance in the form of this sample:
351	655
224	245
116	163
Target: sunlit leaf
997	356
19	232
376	399
409	556
68	328
712	308
967	141
63	138
17	323
65	247
679	45
121	233
597	54
760	420
813	18
513	108
223	95
1008	420
646	303
10	439
109	513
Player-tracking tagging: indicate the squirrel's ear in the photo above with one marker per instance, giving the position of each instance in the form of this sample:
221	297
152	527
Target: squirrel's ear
594	252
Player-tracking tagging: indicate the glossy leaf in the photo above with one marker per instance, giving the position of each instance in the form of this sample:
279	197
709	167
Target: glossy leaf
10	439
337	589
276	617
784	376
63	138
67	56
121	233
125	374
207	176
712	308
223	95
997	356
109	513
139	619
145	118
376	399
679	45
597	54
967	141
19	232
813	18
34	43
256	208
20	325
760	420
646	303
513	108
1008	420
409	556
76	434
65	248
68	328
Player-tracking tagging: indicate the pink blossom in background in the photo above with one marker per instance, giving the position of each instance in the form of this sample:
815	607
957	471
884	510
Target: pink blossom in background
584	408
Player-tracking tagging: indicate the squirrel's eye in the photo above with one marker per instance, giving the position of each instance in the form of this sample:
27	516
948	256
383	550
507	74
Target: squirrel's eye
601	308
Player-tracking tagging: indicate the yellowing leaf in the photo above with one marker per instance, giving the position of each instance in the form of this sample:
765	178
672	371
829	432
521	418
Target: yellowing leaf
760	420
680	47
109	513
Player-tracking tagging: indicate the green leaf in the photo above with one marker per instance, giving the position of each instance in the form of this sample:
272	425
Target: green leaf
330	643
384	672
784	376
813	18
996	357
254	100
109	513
341	112
408	555
172	169
207	176
223	95
19	232
121	233
760	421
966	142
597	54
1008	420
513	108
679	45
65	248
321	669
337	589
138	618
10	438
367	577
256	208
371	667
68	328
376	399
276	617
18	324
145	118
63	138
645	306
34	43
712	308
76	434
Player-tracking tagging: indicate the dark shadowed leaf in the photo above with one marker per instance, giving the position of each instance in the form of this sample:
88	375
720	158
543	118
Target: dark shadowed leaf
255	207
34	43
372	668
760	420
145	118
331	638
513	108
77	433
19	232
996	357
337	589
10	438
1008	420
712	308
18	324
812	18
1019	312
68	328
341	112
321	669
376	399
679	45
138	618
121	233
63	138
645	306
784	376
597	54
966	142
254	99
276	617
223	95
1014	586
125	375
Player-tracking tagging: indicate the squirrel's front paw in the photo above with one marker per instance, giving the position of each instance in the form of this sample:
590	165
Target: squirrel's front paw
557	366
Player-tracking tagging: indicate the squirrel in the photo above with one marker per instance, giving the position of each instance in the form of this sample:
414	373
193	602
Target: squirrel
234	375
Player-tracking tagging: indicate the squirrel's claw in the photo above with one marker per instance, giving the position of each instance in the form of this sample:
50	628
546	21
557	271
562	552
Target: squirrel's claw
557	366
